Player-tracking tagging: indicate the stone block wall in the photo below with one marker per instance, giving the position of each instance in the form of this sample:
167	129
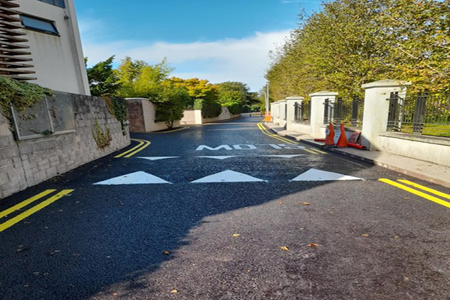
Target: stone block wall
29	162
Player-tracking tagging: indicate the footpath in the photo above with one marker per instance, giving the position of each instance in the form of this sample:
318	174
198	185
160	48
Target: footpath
409	166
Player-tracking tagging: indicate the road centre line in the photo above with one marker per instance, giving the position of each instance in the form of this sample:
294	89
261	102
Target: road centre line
441	194
415	192
25	203
33	210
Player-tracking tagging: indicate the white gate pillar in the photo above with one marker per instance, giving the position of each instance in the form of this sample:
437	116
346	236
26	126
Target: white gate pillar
318	112
376	109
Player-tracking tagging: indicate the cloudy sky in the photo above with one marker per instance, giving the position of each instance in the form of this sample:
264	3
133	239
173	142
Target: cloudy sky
218	40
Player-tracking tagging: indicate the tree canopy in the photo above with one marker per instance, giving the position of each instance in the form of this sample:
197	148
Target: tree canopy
102	78
351	42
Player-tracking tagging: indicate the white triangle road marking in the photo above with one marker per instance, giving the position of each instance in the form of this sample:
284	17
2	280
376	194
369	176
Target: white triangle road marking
133	178
216	157
228	176
318	175
159	157
284	156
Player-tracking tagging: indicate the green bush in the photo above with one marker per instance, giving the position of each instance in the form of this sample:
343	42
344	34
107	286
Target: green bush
210	109
234	108
170	103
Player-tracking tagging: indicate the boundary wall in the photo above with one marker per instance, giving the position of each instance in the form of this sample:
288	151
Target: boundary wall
374	134
25	163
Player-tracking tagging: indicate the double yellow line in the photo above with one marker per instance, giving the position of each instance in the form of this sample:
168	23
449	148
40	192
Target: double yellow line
266	132
285	140
419	193
141	146
32	210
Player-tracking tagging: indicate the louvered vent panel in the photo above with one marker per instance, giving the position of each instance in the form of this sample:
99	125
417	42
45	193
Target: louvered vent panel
14	51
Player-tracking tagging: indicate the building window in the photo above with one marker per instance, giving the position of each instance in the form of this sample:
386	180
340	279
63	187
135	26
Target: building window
39	25
59	3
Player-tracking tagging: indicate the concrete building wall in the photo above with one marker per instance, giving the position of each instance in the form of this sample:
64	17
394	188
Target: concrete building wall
28	162
58	59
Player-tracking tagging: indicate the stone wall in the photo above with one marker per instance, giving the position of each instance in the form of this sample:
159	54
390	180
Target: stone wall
28	162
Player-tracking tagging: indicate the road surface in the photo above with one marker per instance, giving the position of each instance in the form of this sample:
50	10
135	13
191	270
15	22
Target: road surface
226	211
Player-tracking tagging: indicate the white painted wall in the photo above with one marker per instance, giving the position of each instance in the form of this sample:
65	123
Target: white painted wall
435	150
58	60
195	117
188	117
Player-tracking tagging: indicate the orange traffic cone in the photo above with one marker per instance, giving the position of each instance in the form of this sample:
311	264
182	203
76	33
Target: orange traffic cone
342	142
329	140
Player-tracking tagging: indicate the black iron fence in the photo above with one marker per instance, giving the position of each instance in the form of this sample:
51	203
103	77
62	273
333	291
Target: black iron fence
302	112
421	114
350	113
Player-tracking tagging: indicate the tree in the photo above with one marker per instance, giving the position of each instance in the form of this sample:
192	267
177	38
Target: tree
139	79
233	95
102	79
351	42
197	89
170	102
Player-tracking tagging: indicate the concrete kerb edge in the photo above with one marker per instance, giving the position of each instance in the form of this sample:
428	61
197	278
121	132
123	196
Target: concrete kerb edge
370	161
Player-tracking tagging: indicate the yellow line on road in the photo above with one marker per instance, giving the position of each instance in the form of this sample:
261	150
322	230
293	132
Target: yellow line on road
441	194
266	132
170	131
33	210
415	192
320	151
310	151
25	203
147	143
132	149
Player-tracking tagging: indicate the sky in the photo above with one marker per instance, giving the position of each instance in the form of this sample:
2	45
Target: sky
218	40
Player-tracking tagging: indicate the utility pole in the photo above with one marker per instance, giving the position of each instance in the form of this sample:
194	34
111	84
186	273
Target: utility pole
267	118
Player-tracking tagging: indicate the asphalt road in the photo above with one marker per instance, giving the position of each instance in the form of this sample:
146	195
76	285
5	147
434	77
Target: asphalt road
177	236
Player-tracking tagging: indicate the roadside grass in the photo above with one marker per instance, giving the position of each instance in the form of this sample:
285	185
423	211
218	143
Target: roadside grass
429	129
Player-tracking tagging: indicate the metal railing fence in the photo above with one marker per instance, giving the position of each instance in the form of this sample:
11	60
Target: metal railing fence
420	114
350	113
302	112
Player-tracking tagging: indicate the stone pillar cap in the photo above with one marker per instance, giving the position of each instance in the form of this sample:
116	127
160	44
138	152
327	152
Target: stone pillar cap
324	93
131	99
385	83
295	98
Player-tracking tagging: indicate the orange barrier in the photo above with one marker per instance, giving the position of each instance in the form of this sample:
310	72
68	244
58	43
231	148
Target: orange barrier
357	146
342	142
329	140
268	117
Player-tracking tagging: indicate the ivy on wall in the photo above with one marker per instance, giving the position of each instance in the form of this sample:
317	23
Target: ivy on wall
118	108
20	94
102	137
